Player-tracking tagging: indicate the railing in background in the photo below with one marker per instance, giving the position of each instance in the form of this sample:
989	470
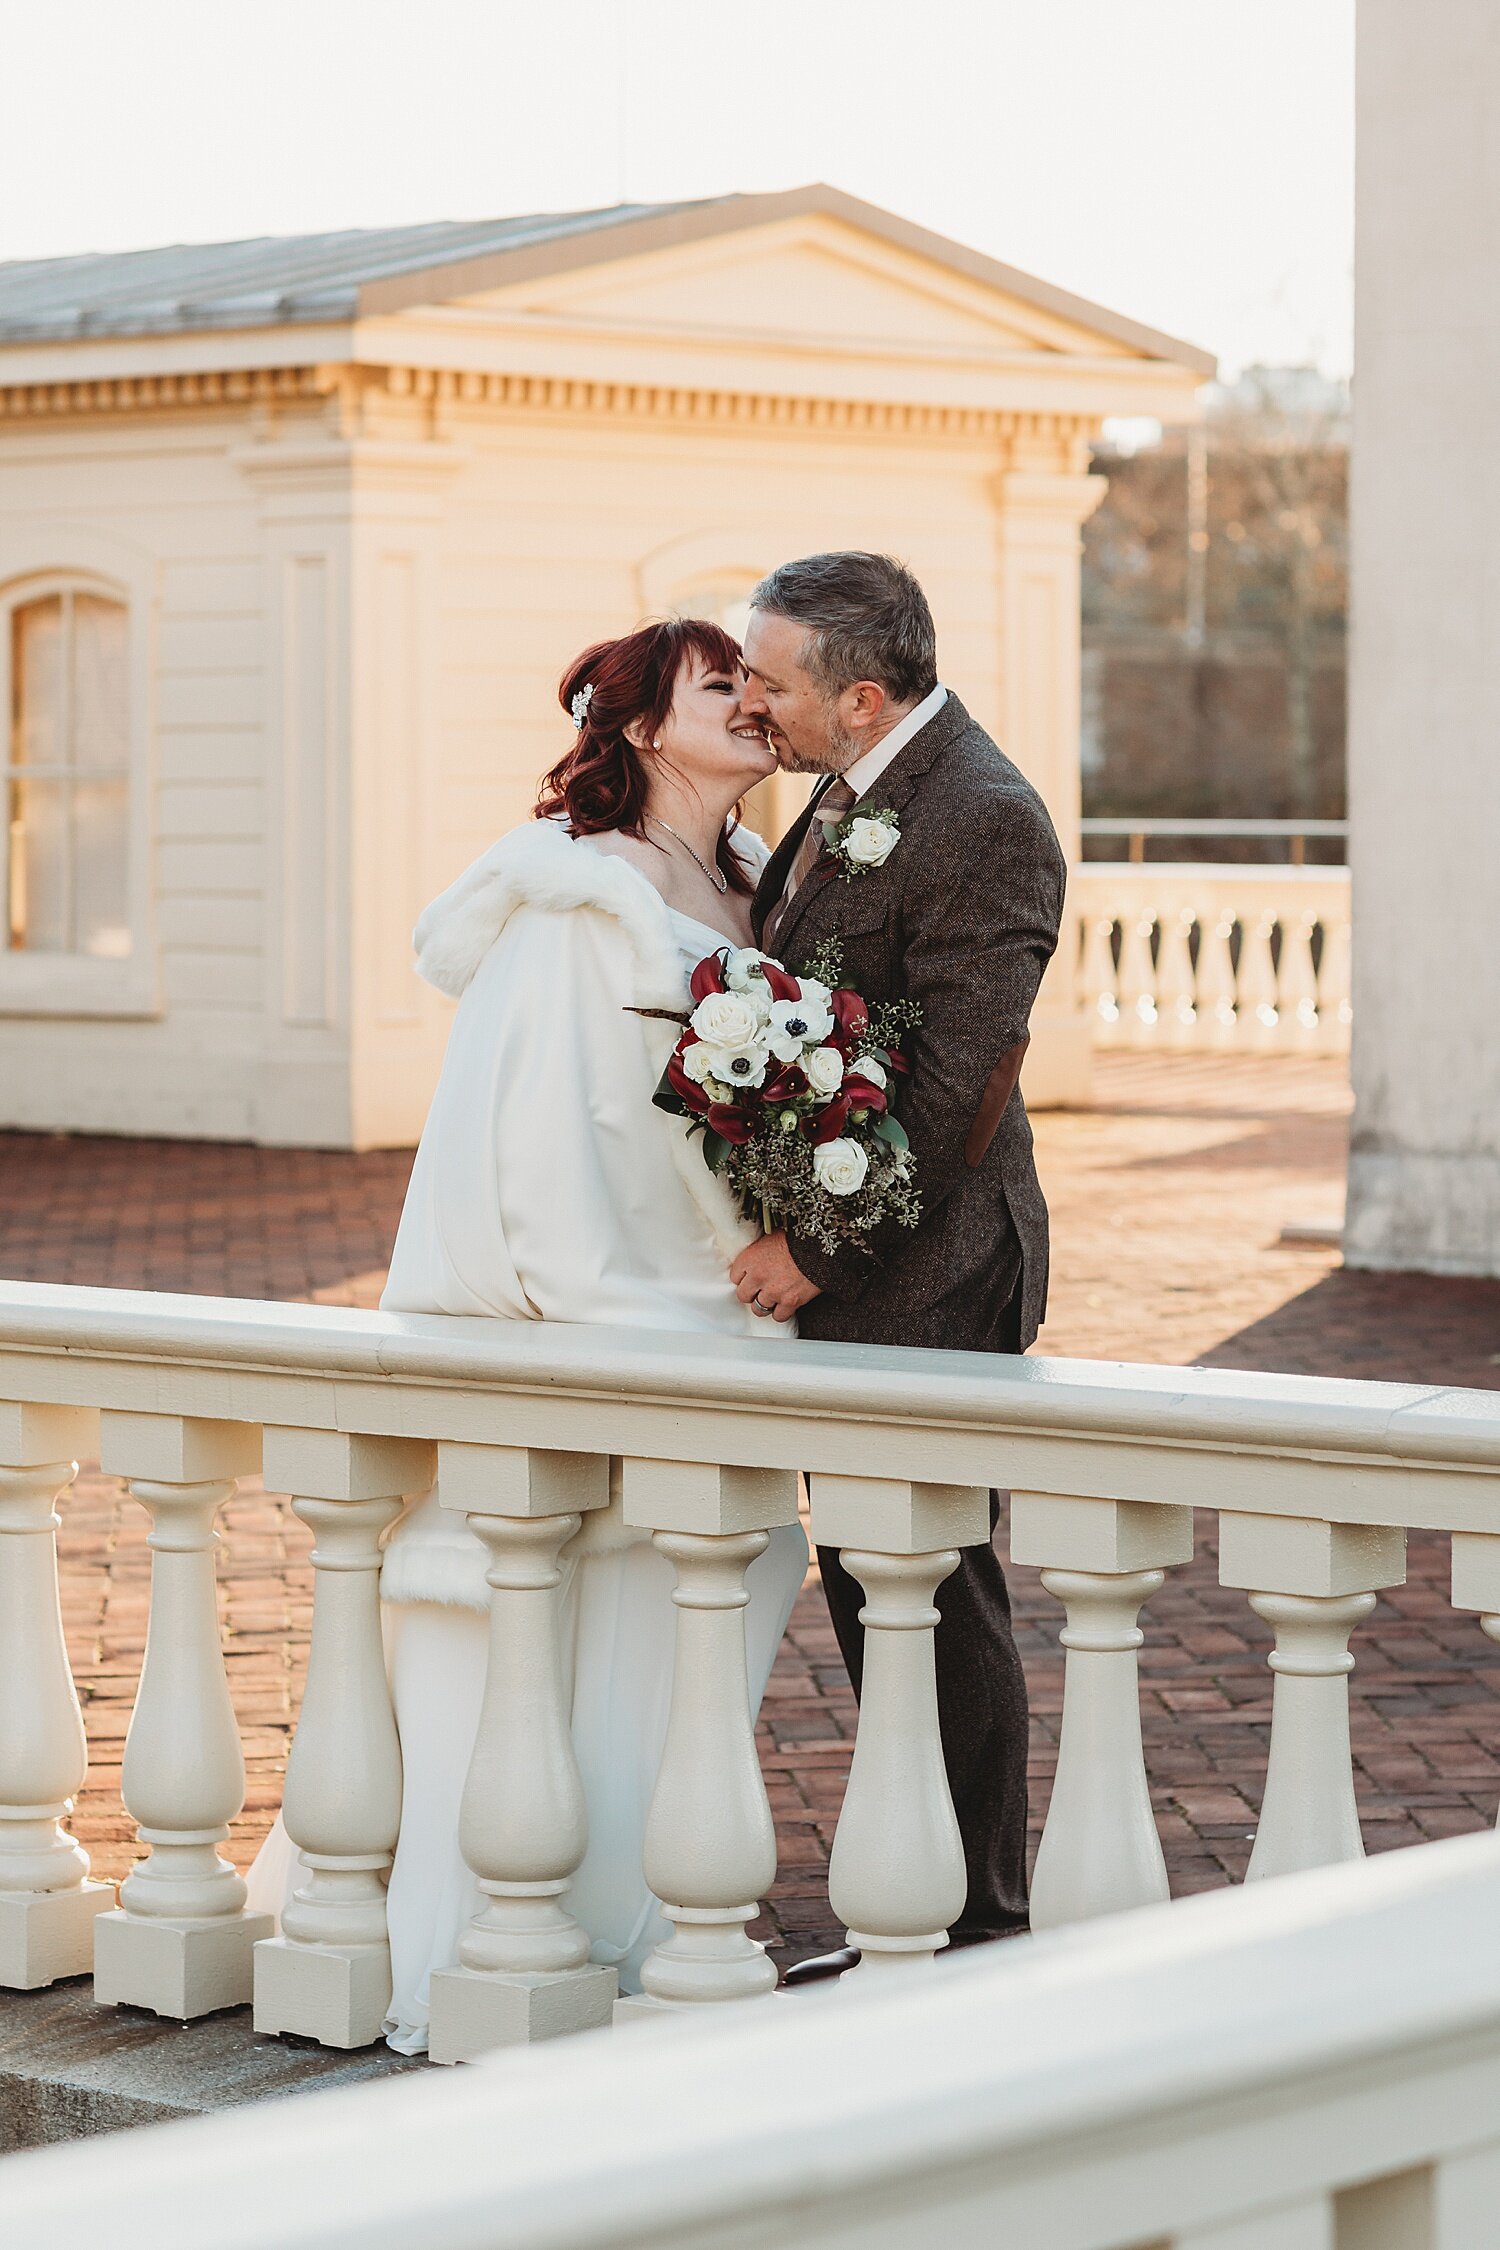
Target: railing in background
1313	1480
1189	957
1294	833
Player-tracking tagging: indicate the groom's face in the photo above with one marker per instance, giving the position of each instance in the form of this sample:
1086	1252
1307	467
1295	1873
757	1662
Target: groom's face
800	720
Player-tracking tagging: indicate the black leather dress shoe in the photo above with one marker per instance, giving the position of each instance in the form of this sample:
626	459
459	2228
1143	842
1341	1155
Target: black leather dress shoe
822	1966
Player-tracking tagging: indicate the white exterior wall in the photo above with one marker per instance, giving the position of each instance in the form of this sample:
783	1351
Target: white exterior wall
1424	785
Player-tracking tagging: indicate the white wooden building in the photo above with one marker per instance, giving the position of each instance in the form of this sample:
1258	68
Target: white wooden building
297	535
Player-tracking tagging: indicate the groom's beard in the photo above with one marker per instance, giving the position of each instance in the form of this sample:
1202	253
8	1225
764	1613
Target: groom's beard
835	754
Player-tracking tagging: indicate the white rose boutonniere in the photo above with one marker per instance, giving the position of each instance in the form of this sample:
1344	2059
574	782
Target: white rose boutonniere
861	841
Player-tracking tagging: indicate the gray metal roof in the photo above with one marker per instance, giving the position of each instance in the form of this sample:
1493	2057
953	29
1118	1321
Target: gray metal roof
264	282
274	280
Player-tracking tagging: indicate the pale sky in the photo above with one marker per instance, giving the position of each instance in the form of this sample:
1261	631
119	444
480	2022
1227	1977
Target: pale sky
1188	162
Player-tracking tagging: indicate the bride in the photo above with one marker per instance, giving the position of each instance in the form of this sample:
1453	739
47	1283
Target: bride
547	1187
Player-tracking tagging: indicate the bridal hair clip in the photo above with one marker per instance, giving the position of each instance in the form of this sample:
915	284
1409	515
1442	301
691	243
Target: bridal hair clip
580	705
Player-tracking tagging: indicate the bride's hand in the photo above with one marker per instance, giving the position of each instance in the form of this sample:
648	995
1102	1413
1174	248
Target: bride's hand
768	1279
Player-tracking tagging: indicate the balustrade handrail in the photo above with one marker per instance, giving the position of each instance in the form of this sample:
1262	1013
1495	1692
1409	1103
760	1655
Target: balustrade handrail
1157	2078
861	1408
1159	825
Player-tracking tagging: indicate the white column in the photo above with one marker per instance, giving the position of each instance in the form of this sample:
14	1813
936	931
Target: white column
523	1966
47	1903
180	1942
1313	1582
1100	1852
896	1876
1424	1168
710	1852
328	1976
1042	511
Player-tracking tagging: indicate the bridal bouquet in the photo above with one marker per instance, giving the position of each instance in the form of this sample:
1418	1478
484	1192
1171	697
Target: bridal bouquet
788	1079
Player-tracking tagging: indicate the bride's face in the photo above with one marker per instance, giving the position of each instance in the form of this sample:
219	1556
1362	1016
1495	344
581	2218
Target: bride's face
706	735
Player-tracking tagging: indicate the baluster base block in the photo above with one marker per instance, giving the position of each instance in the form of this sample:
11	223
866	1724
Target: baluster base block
50	1935
641	2007
336	1994
183	1969
474	2012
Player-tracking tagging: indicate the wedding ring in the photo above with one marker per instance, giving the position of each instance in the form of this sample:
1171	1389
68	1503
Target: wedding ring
757	1306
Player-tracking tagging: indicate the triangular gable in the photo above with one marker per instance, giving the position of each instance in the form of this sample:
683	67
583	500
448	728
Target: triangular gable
847	259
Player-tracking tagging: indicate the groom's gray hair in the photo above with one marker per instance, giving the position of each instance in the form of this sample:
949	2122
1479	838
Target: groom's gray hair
866	617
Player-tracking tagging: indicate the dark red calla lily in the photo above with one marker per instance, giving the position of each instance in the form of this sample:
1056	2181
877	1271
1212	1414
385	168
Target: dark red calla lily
729	1124
863	1095
683	1087
850	1015
788	1083
827	1124
707	977
780	984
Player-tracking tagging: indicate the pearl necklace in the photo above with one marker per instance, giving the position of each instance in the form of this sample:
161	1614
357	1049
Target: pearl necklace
720	881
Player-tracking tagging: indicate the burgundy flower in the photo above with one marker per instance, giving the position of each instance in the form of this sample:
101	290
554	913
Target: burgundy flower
780	985
729	1123
827	1124
862	1094
677	1078
850	1016
787	1084
708	977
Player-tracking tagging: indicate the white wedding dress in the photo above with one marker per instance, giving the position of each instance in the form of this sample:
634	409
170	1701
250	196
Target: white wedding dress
547	1187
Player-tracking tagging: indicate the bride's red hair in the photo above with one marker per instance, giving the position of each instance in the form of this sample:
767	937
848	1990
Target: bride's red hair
601	783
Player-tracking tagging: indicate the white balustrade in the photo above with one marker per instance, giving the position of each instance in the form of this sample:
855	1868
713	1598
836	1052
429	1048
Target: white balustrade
1142	923
710	1850
523	1964
180	1941
328	1975
1312	1582
47	1902
896	1875
1312	1481
1100	1852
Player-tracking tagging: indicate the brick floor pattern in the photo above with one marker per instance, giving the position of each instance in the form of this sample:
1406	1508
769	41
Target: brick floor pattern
1168	1199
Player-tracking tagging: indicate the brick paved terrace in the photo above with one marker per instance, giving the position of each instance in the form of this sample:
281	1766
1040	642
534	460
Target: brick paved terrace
1169	1201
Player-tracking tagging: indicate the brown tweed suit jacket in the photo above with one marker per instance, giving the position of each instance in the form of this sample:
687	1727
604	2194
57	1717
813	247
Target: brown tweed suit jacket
962	918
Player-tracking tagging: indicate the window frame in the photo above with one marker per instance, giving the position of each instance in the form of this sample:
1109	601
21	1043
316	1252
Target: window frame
74	984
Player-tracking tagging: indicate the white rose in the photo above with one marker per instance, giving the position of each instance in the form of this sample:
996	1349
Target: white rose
697	1063
871	1071
815	995
726	1019
742	973
825	1070
796	1024
870	843
738	1066
840	1167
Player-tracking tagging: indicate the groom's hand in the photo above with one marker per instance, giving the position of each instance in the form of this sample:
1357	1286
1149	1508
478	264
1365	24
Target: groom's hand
768	1279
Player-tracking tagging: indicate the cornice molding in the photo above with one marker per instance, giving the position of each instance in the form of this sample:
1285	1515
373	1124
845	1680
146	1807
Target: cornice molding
439	390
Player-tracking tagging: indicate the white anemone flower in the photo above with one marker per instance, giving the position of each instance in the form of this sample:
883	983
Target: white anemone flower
738	1067
796	1024
742	975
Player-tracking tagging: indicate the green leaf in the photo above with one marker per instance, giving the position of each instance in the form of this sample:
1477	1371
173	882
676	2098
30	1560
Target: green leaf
715	1150
890	1130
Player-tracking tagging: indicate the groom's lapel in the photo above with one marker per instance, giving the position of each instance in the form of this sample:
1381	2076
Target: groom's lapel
892	792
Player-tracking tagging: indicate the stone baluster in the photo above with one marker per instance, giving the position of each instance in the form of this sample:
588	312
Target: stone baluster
1100	1852
1138	1012
710	1849
523	1964
1299	980
1260	1014
47	1902
896	1876
1335	1013
1476	1578
1097	978
328	1975
1218	1013
180	1941
1313	1582
1175	979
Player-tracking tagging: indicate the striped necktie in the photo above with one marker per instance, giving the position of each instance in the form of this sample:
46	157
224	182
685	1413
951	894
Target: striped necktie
837	799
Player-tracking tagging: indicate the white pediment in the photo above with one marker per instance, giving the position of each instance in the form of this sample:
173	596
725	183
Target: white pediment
811	278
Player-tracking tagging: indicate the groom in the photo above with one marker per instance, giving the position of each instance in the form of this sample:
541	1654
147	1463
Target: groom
961	917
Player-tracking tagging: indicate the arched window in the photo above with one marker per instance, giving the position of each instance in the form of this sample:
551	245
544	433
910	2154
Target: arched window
64	877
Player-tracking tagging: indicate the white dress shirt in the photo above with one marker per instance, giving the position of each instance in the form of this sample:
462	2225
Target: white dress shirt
866	771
